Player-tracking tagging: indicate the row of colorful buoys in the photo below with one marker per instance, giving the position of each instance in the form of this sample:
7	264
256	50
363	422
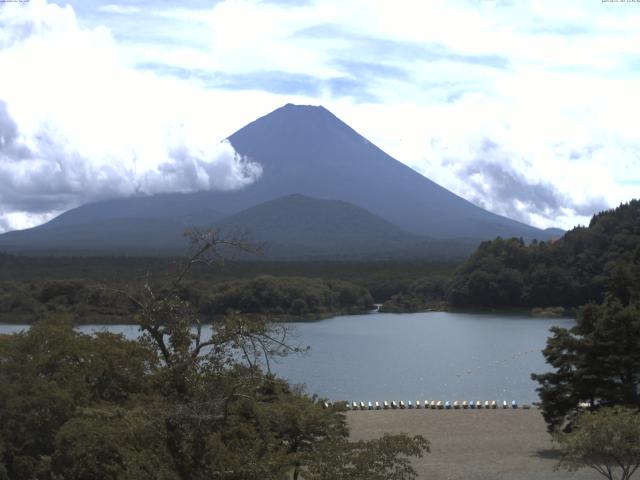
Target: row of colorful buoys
433	405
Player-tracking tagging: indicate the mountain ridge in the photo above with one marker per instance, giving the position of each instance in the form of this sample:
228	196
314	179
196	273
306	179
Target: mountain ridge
303	150
392	190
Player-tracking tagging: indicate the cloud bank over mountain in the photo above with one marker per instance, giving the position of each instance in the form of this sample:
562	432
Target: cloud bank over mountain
550	84
78	125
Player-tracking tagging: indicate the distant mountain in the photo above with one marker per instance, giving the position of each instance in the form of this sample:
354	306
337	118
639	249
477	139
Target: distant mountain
297	226
554	233
135	236
303	150
321	225
292	227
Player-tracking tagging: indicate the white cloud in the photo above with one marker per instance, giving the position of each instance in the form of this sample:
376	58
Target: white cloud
119	9
551	84
77	125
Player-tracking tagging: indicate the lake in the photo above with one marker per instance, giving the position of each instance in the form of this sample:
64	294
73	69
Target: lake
429	355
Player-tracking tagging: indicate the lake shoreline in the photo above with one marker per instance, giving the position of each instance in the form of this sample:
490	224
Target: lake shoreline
541	313
273	318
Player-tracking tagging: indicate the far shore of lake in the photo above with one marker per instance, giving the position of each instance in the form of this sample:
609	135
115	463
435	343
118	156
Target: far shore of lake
547	312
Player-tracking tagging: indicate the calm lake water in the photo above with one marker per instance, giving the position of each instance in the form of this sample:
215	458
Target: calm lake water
430	355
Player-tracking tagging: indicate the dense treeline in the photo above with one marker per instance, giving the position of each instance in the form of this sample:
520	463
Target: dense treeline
276	297
581	267
382	278
296	296
423	294
27	302
36	287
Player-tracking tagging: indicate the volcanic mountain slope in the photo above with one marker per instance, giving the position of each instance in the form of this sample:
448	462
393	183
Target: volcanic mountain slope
303	150
290	227
308	150
331	228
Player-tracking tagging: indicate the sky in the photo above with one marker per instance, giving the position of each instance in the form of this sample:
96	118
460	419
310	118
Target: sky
527	109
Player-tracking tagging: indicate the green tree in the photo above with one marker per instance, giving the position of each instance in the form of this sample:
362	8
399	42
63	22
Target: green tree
182	402
112	443
581	267
597	361
50	373
608	441
385	458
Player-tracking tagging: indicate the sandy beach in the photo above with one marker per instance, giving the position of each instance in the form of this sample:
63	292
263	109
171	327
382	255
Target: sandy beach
473	444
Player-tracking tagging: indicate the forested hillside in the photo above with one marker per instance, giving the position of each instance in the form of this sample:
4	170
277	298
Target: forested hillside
581	267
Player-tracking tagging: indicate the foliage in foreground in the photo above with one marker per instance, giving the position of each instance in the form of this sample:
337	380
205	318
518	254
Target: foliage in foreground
596	361
608	441
175	404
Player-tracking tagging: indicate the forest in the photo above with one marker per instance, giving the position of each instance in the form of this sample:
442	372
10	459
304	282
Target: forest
175	404
279	298
581	267
89	290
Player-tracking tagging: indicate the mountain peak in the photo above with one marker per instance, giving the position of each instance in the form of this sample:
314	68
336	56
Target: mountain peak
293	133
293	106
308	114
